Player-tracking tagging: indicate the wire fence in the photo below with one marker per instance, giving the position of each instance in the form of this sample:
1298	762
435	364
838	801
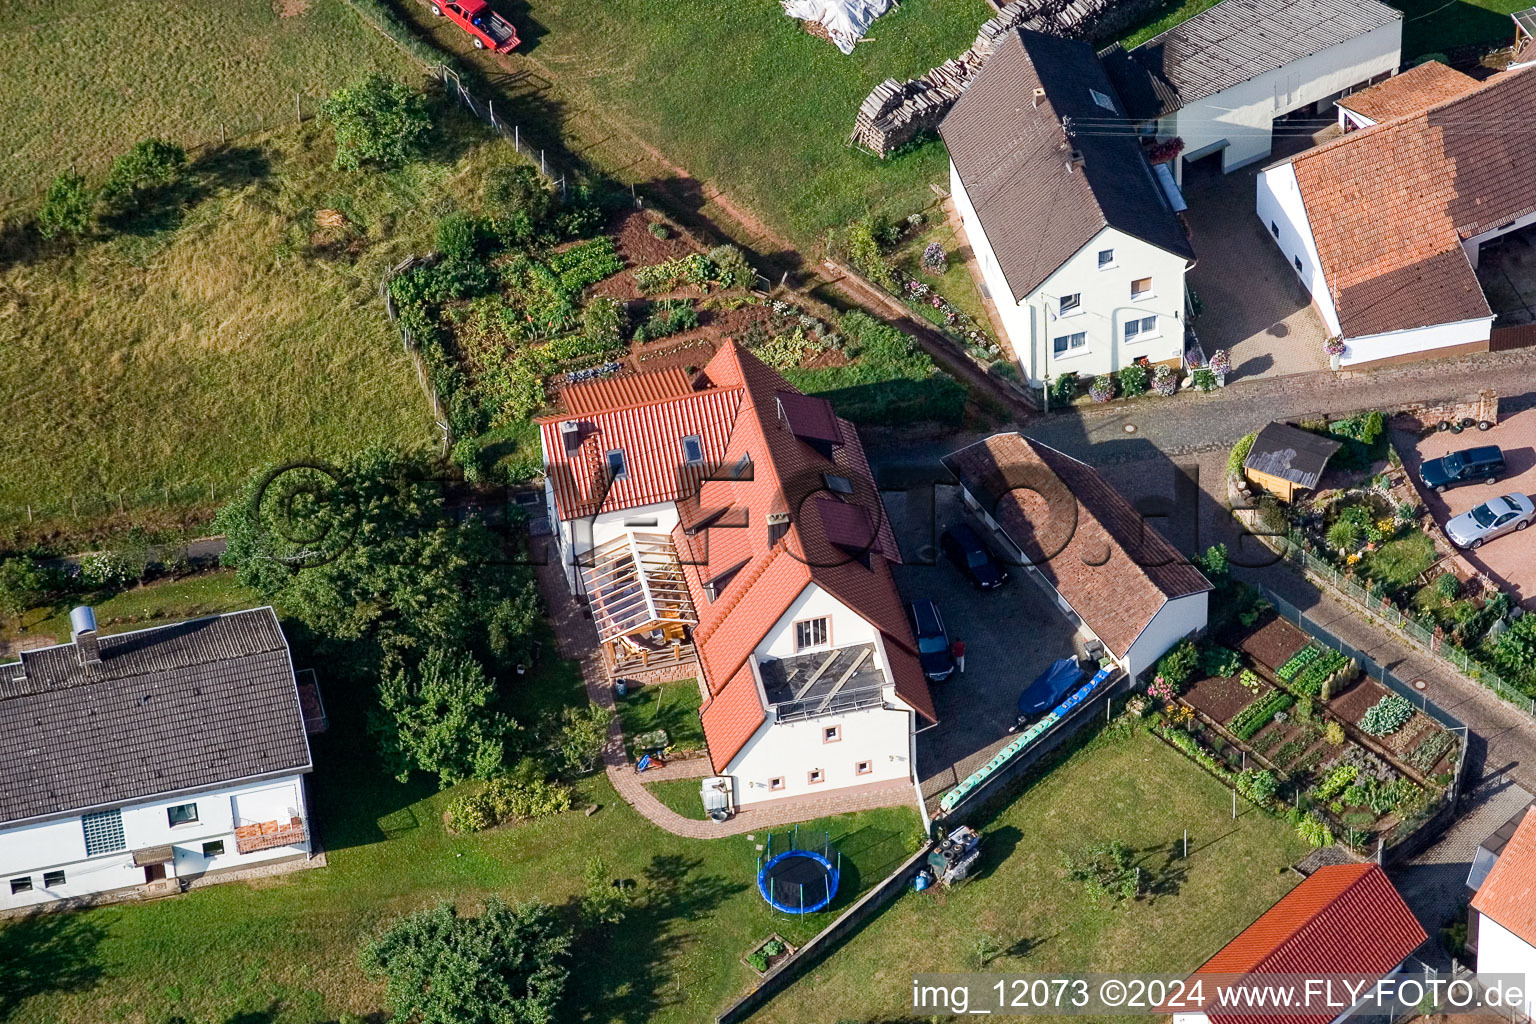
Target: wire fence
104	504
485	110
1425	638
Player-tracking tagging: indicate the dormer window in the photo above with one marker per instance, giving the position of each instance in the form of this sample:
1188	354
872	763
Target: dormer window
693	450
715	587
617	469
837	484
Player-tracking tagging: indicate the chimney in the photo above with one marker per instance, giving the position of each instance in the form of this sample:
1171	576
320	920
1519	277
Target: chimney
570	433
1039	94
82	633
1074	160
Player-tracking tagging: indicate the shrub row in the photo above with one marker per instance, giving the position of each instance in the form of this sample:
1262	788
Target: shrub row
1258	714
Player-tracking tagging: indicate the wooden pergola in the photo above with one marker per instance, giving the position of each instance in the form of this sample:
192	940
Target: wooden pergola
639	598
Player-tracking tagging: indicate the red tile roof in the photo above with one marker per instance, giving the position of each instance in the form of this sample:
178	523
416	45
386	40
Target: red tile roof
1114	569
1410	92
625	390
1390	205
1508	895
650	436
1344	919
731	717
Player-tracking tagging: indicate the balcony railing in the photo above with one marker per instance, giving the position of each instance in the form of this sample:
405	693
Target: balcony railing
830	704
268	835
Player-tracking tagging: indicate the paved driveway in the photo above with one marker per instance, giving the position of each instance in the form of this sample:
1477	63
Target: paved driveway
1010	636
1254	305
1510	560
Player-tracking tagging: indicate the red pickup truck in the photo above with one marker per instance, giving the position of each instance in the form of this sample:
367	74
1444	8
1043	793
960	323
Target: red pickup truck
488	29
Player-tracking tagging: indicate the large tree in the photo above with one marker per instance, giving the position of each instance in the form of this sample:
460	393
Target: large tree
378	120
439	716
507	966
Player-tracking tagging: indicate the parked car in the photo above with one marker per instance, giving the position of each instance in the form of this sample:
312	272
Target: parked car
1485	463
932	641
1491	519
966	550
486	28
1049	689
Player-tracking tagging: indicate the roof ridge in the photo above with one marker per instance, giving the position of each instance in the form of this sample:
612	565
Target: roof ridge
711	389
1363	872
755	571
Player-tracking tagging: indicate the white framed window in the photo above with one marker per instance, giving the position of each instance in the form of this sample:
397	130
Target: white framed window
1069	304
1070	344
1141	287
103	832
213	848
815	775
1106	258
181	814
831	733
811	633
776	782
863	767
693	450
618	469
1141	329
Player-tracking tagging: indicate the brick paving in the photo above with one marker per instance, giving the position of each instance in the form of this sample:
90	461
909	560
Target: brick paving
576	638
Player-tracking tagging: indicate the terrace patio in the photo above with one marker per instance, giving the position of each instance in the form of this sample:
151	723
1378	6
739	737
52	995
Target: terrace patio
641	607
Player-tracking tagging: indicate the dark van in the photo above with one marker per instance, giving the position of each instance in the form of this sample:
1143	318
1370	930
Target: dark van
1485	465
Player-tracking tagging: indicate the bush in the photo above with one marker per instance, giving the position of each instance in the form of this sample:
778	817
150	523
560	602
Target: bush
470	812
1314	831
1165	381
379	121
67	206
1387	715
1219	662
758	961
1344	534
659	230
603	321
1257	786
101	569
518	200
1133	380
865	254
1333	732
731	267
581	736
22	585
934	261
1221	362
527	792
603	901
1178	664
1240	454
1102	389
1215	564
149	167
1064	388
458	236
1448	587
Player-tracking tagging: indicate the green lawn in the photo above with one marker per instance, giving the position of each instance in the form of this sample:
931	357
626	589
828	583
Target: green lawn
1165	17
1132	788
671	706
157	603
284	950
681	795
743	98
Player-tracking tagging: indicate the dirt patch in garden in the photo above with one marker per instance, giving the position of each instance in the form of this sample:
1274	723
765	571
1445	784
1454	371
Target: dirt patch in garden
1273	642
1351	704
681	351
1220	699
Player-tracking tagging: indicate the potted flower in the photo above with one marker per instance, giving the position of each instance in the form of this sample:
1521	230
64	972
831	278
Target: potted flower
1165	381
1102	389
1220	365
934	261
1334	346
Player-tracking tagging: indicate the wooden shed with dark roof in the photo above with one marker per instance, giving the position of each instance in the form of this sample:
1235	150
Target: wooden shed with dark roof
1287	460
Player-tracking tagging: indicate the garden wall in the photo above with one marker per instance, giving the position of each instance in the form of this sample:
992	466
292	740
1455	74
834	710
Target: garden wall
1482	407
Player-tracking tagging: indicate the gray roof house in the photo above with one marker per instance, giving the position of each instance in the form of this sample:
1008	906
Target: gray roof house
182	744
1220	79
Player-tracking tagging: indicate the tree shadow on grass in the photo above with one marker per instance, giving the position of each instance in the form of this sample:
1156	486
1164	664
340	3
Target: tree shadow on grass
633	975
50	952
1164	869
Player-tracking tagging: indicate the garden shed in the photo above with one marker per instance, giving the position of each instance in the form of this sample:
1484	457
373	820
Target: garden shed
1286	460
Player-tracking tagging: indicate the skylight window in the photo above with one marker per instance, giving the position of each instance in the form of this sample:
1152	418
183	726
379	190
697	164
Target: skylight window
1102	100
837	484
693	450
617	469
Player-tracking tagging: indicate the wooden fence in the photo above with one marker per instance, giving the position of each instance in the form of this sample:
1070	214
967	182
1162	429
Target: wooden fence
1507	339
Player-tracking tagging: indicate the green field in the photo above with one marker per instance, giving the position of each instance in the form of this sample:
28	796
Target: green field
1021	914
743	98
80	80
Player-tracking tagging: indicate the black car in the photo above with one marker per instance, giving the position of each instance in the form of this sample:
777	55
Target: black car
965	549
1484	464
932	642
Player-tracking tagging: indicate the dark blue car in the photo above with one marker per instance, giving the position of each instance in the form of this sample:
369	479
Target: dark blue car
1048	690
932	641
966	550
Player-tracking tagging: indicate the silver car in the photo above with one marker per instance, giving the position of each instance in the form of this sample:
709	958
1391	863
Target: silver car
1491	519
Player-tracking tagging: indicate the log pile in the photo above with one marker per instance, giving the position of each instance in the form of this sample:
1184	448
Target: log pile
895	113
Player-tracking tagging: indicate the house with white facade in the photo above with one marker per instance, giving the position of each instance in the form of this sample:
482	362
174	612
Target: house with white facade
1221	79
1384	225
724	526
1345	923
1107	569
1078	241
134	762
1503	915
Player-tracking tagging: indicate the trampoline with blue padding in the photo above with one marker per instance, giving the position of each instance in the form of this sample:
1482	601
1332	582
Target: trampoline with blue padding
798	880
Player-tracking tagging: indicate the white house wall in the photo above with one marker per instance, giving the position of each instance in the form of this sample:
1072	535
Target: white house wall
580	536
1422	339
845	627
1015	325
1284	215
59	844
1242	116
1175	620
1473	245
791	750
1500	951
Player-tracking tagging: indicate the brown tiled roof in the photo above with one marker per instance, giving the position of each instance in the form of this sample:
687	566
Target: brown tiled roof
1508	895
1012	155
1390	205
1410	92
1114	569
766	470
1344	919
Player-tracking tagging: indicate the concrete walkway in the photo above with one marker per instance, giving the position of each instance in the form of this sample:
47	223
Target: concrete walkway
577	639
